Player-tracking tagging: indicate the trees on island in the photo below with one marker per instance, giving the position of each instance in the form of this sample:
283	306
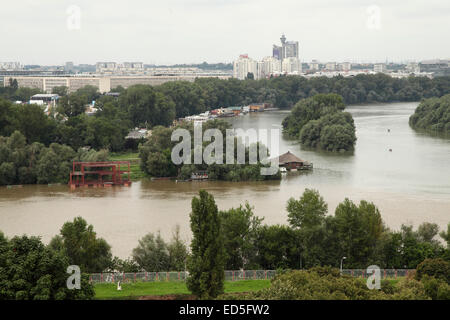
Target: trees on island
318	122
156	156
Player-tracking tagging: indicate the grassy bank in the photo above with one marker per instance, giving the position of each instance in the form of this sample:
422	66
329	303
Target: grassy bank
133	157
138	289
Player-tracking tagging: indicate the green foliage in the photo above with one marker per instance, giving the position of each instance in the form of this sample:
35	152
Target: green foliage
436	289
143	105
307	212
80	243
152	254
240	229
311	109
277	247
60	90
358	229
432	115
187	97
437	268
319	123
155	155
316	285
147	107
445	235
178	252
207	259
22	163
31	271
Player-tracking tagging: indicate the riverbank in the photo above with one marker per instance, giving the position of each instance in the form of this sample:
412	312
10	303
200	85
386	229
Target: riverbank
408	185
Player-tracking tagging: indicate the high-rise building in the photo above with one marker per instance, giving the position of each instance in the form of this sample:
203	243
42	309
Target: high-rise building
288	49
243	66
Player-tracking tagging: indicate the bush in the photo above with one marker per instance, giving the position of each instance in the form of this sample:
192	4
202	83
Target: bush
438	268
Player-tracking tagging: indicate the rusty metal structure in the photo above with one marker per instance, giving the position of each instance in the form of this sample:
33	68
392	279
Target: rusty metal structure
100	174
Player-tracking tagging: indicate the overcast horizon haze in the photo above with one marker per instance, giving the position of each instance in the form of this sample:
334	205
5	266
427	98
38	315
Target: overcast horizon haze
50	32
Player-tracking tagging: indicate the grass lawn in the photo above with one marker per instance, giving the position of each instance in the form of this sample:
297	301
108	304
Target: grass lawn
133	157
133	290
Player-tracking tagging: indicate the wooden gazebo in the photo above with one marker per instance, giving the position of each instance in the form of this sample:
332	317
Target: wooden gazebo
290	161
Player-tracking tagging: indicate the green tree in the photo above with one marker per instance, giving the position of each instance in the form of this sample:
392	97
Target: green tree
82	246
278	247
446	236
206	263
240	231
152	253
308	211
30	271
60	90
358	228
178	252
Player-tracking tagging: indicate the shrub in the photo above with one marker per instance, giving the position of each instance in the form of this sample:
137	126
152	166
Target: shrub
438	268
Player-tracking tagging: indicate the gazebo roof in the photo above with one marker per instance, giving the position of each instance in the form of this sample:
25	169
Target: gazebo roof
289	157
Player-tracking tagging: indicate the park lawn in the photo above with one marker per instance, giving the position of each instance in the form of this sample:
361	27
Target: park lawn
133	157
138	289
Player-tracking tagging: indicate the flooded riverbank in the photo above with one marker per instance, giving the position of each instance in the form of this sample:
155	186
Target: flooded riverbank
410	184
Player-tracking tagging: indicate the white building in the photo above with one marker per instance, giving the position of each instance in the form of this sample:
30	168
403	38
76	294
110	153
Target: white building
270	66
11	65
330	66
243	66
345	66
314	65
379	67
291	65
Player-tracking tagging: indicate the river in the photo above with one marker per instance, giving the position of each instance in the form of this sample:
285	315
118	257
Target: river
410	184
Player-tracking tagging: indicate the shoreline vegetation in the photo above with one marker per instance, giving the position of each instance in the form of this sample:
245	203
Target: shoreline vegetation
312	241
66	129
432	116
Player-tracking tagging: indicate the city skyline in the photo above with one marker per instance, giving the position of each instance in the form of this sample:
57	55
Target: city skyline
217	31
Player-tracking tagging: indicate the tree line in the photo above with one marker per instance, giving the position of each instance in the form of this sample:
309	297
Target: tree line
149	106
23	163
225	240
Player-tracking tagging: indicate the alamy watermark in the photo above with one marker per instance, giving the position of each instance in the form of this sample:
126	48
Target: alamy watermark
373	17
73	21
213	153
374	280
74	280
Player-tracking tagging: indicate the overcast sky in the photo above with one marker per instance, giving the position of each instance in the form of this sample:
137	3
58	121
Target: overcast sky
192	31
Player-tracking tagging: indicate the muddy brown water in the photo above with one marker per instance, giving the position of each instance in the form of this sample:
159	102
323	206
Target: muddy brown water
410	184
